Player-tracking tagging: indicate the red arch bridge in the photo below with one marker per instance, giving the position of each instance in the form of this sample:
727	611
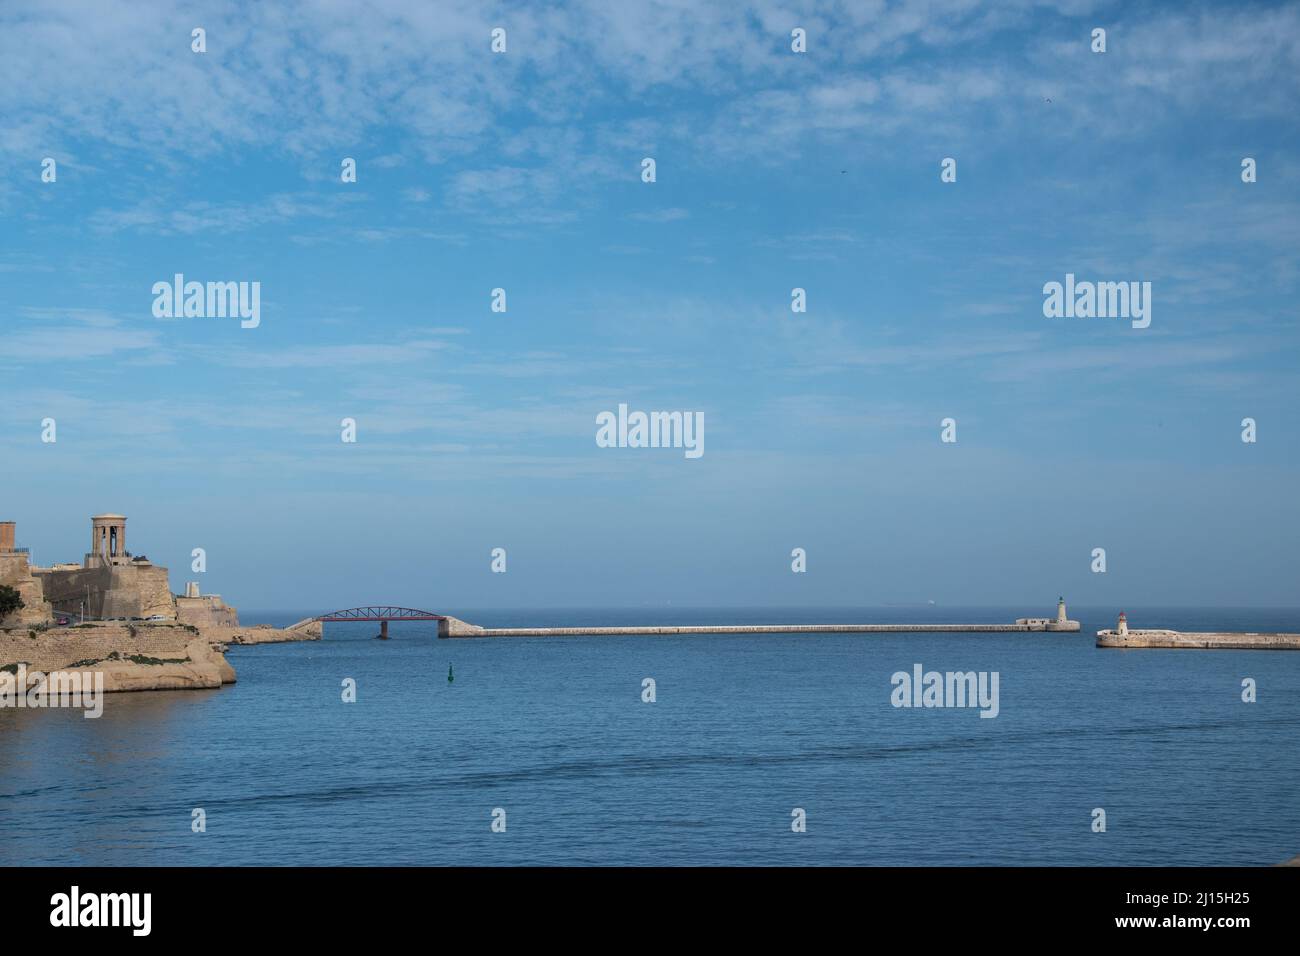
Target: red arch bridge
381	613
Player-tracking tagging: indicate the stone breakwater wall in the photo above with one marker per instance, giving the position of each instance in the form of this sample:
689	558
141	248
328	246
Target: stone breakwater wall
309	629
130	658
453	627
1199	640
261	634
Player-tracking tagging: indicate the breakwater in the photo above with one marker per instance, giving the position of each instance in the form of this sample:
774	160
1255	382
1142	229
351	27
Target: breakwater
1198	640
454	627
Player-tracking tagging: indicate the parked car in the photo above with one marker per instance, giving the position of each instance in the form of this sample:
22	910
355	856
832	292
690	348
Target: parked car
155	617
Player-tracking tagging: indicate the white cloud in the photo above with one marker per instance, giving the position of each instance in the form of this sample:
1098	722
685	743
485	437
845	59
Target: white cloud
44	335
661	215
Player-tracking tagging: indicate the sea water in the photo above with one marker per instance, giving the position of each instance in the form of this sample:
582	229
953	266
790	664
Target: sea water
552	736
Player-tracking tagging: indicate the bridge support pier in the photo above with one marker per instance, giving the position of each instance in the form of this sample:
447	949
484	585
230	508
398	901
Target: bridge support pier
383	630
455	627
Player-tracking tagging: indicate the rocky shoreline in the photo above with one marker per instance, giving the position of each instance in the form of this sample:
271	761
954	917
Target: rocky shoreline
138	656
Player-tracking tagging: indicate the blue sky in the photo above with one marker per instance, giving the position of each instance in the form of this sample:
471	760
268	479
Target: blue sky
775	170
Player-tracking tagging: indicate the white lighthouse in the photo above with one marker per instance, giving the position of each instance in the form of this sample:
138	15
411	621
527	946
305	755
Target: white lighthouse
1060	610
1122	628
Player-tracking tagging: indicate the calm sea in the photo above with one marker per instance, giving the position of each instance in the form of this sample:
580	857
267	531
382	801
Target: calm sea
744	729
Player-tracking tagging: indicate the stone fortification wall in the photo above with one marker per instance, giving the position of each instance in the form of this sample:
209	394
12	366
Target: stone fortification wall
206	611
15	572
115	591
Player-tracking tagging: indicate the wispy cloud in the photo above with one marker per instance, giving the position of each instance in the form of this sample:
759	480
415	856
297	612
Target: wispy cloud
661	215
52	335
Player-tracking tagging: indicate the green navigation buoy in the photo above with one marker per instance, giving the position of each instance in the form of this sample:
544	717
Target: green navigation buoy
450	676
